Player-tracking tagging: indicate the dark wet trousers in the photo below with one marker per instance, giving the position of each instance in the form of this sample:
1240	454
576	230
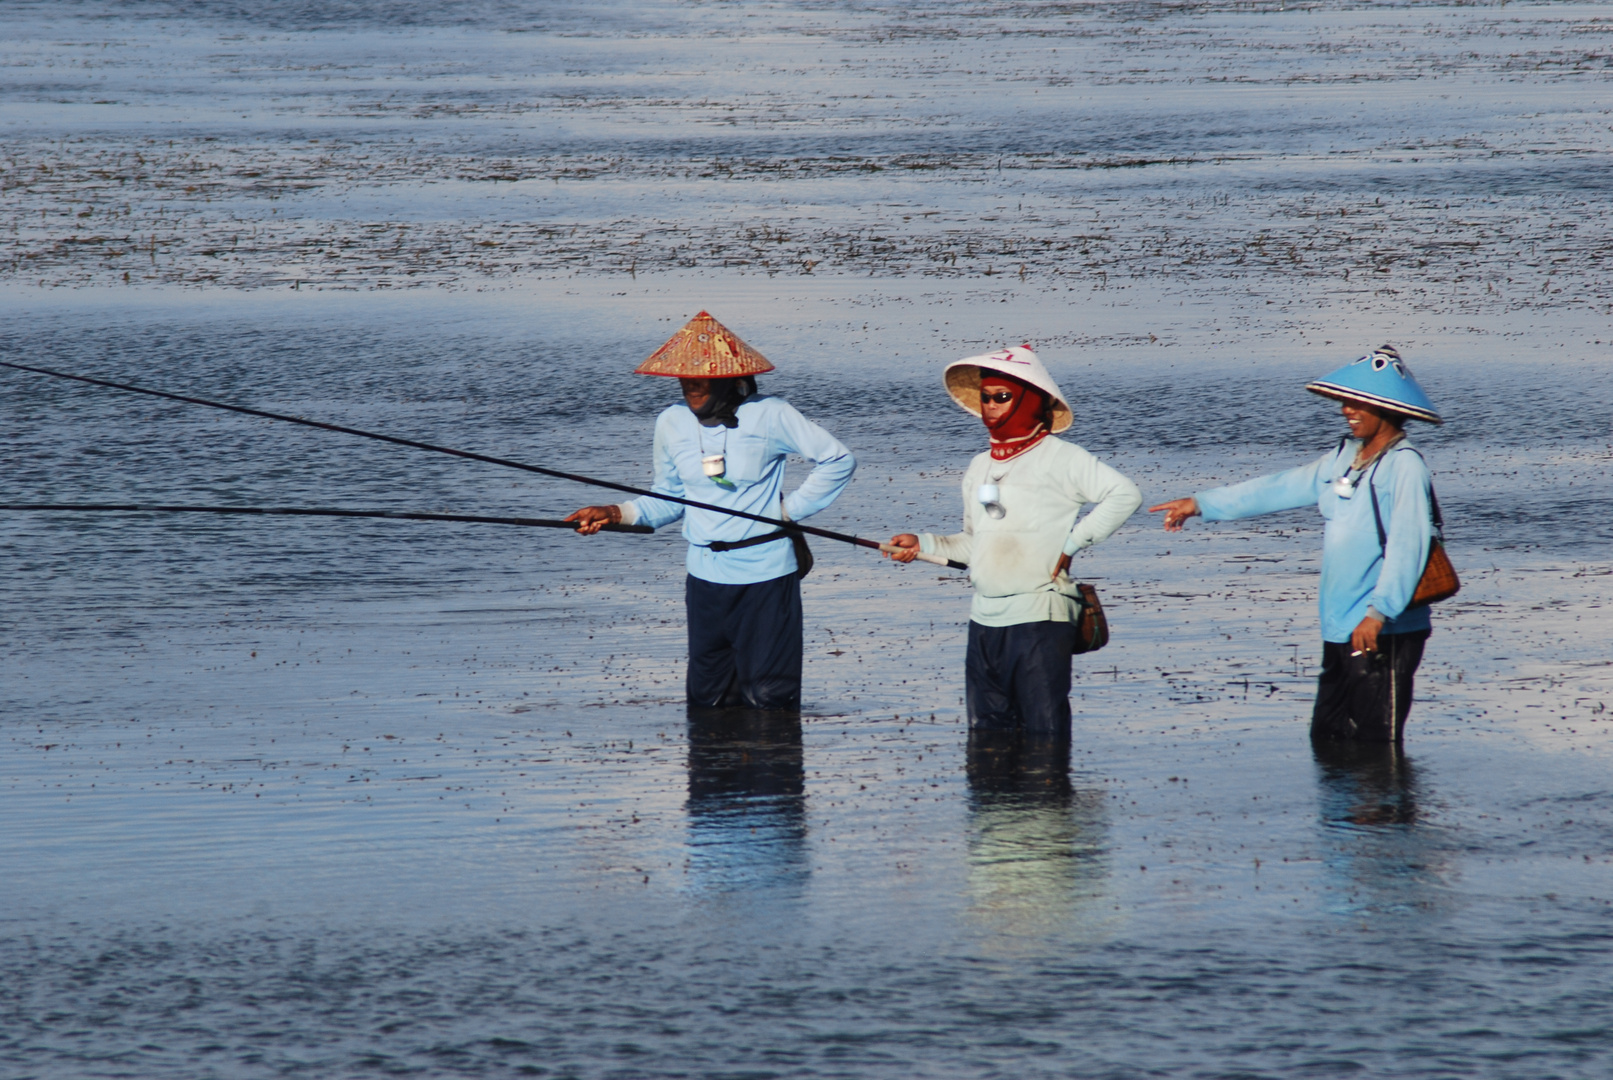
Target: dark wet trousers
1366	698
1017	677
744	643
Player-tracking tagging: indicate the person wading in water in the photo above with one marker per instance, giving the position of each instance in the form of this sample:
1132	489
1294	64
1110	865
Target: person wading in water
1020	503
726	445
1375	491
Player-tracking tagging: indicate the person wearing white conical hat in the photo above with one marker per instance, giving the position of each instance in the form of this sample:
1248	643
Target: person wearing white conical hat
1022	501
1377	495
725	444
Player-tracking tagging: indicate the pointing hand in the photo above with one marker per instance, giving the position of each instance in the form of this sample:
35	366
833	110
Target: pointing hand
1177	511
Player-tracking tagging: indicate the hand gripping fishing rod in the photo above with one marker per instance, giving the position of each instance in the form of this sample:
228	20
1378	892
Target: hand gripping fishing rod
827	534
312	511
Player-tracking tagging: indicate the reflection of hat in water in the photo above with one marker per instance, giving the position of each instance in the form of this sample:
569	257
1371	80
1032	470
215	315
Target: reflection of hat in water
704	349
1380	378
1019	362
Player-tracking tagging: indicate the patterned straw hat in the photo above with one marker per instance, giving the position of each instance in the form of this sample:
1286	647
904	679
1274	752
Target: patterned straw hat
963	380
704	349
1380	379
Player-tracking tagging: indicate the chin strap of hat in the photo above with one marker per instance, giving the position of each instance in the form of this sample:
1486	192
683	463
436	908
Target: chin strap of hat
726	396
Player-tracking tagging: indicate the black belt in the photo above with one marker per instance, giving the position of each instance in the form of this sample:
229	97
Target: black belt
803	554
735	545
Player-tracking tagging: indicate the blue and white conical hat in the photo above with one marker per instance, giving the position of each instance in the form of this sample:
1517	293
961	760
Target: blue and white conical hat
1379	378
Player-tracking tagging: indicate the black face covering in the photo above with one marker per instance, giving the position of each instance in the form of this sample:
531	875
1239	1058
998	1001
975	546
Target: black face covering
726	396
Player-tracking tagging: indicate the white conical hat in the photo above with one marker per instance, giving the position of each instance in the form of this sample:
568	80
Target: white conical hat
963	380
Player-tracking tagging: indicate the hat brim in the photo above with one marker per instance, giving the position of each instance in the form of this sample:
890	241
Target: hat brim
963	383
1345	393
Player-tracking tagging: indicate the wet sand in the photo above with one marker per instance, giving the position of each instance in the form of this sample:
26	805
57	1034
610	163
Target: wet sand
1444	159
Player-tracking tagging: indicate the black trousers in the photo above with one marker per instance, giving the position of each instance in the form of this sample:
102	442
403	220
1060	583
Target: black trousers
1018	677
1366	698
744	643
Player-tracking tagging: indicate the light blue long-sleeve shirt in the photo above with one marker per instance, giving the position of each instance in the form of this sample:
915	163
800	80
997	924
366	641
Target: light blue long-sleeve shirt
754	452
1357	572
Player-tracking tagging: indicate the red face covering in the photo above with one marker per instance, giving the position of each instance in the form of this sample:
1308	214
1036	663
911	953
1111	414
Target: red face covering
1021	427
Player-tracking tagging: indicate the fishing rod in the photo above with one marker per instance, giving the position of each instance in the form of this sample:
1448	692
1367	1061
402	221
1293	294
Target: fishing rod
312	511
788	526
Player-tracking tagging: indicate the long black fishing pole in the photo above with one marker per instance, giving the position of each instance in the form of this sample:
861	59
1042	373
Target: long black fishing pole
827	534
310	511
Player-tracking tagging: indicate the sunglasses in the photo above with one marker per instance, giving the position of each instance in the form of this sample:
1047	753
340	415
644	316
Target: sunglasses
1001	397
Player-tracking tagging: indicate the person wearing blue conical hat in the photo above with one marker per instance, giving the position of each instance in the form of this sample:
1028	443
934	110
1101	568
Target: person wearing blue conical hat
1376	493
1379	379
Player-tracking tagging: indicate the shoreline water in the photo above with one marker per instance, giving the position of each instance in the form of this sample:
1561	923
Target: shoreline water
203	779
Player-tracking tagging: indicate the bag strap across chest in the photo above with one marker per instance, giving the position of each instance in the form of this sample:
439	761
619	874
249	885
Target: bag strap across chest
1377	515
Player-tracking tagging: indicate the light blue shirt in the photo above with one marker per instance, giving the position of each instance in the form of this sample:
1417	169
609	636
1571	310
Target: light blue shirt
754	452
1357	572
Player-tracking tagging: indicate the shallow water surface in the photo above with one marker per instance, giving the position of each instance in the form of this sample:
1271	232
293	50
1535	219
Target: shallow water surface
351	798
343	797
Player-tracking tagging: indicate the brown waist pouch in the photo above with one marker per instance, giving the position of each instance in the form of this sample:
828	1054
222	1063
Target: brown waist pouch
1092	628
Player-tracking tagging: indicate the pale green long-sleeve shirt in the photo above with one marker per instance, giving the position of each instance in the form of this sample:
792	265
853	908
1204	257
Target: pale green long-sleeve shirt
1011	558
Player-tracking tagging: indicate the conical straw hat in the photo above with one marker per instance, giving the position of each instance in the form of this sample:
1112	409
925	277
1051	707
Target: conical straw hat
1379	378
963	380
704	349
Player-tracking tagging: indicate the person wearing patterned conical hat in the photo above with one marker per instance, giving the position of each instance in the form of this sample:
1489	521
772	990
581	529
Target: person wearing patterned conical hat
726	444
1021	504
1377	495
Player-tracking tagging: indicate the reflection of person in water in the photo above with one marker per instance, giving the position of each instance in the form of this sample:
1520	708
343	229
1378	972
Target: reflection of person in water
747	801
1366	784
1036	843
1381	858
